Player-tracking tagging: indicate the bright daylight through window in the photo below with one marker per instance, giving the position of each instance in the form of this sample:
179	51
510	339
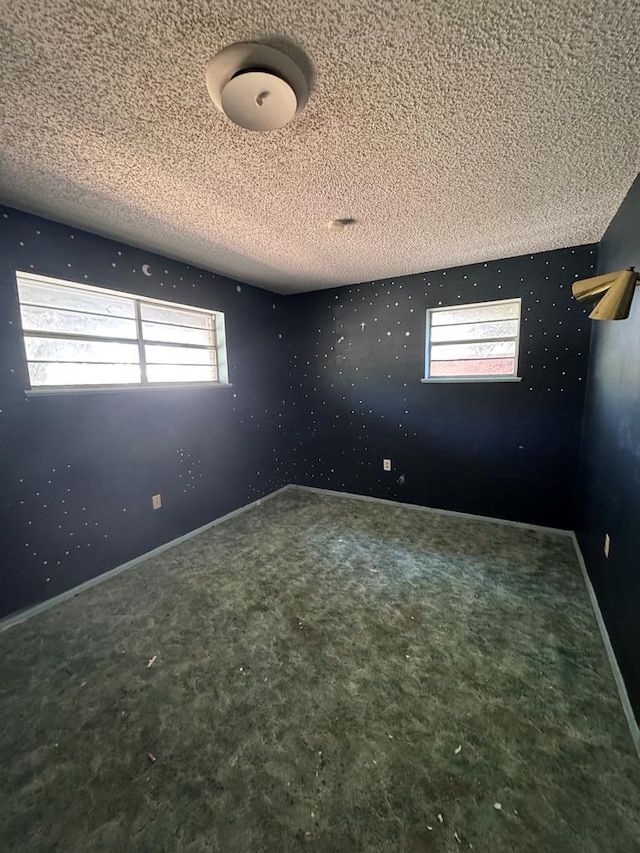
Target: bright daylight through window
78	336
473	342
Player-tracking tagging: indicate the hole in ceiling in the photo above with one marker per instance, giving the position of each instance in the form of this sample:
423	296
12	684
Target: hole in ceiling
341	224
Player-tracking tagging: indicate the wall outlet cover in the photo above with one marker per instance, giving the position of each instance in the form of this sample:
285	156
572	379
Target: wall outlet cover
156	501
386	464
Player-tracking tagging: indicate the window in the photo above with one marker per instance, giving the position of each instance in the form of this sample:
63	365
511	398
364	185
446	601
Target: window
77	336
473	342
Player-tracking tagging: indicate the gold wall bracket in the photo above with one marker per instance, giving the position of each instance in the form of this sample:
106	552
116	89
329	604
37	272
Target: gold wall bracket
618	289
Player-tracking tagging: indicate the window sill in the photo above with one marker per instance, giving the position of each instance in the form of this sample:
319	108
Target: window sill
441	379
116	389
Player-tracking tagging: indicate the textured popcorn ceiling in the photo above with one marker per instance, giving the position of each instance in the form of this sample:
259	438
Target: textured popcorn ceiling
454	131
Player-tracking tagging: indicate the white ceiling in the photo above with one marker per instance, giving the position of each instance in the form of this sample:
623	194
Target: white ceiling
454	131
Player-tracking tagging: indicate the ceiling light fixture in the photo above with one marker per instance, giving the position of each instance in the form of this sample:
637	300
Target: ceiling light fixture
618	289
256	86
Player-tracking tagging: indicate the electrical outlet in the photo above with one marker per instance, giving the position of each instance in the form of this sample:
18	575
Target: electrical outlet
386	464
156	501
607	544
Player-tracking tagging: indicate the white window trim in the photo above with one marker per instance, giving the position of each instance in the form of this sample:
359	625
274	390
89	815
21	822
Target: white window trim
51	391
497	378
137	299
511	377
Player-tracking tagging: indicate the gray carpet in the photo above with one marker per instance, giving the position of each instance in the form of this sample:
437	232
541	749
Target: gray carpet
331	675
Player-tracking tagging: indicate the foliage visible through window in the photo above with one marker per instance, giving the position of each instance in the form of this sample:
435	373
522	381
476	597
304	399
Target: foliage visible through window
81	336
473	341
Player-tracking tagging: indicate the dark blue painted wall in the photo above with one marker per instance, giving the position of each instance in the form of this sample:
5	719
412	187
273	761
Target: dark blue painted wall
508	450
317	398
78	470
611	456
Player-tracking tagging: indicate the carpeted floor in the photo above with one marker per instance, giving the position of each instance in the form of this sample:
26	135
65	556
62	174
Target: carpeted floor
331	675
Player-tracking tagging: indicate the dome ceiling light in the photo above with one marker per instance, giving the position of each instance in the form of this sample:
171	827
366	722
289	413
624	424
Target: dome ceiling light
256	86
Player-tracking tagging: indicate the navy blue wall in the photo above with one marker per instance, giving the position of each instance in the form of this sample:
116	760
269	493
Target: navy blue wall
324	408
611	456
78	470
508	450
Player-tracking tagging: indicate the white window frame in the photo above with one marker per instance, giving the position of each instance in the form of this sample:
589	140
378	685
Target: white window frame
498	377
138	300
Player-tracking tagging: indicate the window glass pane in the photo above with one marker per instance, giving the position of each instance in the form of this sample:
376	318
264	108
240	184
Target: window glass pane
475	313
58	373
58	349
475	331
177	334
480	367
166	314
178	355
85	336
449	352
181	373
59	296
53	320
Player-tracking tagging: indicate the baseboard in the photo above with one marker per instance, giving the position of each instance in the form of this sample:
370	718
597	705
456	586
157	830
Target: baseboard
611	655
613	663
432	509
22	615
